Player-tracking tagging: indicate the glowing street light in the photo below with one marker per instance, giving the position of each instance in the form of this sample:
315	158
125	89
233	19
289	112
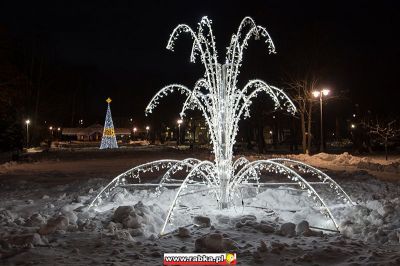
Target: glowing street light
147	131
27	122
134	132
51	130
321	94
353	126
180	121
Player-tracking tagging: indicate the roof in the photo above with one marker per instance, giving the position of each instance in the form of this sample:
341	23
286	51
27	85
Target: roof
90	130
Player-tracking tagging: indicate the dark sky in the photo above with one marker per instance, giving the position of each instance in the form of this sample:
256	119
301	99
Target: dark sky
355	44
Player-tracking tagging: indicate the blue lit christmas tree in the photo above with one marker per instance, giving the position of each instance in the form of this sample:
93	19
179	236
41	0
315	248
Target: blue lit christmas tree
108	141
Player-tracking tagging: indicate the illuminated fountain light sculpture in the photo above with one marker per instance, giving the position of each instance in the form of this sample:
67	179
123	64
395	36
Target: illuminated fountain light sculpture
222	104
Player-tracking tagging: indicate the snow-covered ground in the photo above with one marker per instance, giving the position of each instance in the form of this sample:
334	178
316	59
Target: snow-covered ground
44	218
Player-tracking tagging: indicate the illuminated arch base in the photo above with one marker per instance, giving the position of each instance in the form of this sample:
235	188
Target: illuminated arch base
201	178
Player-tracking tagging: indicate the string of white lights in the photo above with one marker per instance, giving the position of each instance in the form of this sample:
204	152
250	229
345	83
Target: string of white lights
223	104
108	141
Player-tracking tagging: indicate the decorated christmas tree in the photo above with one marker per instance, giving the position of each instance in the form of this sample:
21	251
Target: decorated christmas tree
108	141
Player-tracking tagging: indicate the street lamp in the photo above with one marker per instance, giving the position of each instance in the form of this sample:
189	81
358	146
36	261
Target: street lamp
51	130
353	126
321	94
179	130
27	122
147	131
134	131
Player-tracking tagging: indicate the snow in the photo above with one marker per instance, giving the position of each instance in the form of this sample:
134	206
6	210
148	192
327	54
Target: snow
52	193
346	160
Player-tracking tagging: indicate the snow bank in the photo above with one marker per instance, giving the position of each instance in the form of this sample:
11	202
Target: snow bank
345	159
7	166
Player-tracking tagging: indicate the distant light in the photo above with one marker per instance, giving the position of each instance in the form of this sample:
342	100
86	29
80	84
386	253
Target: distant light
325	92
134	129
270	132
147	128
131	119
180	121
51	128
353	126
354	115
273	117
316	94
59	128
27	121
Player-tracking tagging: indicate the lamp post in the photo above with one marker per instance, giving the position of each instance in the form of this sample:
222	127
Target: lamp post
321	94
27	122
147	132
134	132
179	131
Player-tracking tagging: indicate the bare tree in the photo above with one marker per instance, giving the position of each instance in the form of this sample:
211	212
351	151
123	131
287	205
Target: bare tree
302	89
384	131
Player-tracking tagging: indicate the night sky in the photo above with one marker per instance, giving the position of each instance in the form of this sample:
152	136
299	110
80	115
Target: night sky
118	47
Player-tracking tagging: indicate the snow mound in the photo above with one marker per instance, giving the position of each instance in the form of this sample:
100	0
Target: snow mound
56	223
139	216
346	159
373	221
215	242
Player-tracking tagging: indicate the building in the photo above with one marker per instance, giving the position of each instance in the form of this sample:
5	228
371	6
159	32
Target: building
93	133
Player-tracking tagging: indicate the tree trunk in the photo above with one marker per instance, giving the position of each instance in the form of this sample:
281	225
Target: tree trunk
303	133
309	135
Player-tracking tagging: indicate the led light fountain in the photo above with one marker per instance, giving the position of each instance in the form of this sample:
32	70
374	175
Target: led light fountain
222	104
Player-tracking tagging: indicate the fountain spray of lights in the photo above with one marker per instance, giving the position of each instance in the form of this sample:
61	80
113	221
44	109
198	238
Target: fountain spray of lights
223	104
